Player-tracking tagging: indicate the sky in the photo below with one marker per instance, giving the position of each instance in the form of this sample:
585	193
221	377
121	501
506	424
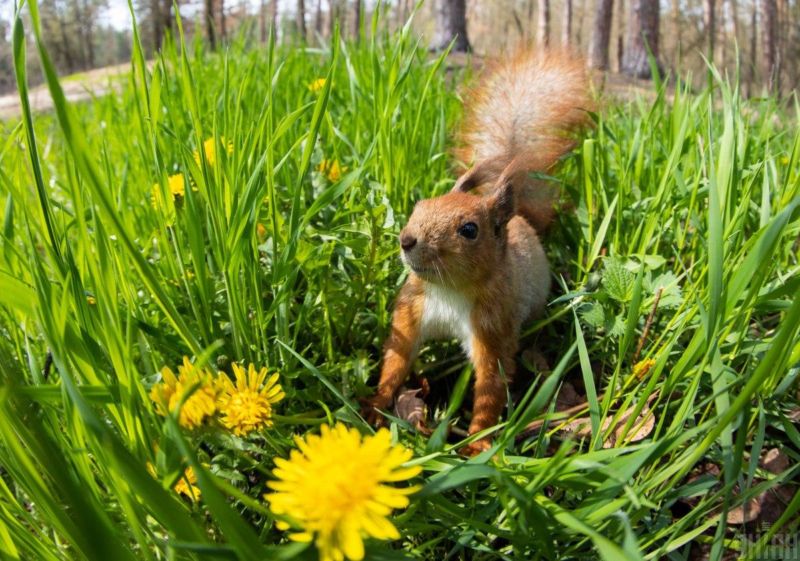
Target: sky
117	15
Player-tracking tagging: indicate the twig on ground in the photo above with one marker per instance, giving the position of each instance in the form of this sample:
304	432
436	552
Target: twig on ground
647	325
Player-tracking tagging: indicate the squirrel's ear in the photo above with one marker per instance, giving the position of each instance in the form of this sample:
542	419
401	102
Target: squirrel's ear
468	180
502	203
480	173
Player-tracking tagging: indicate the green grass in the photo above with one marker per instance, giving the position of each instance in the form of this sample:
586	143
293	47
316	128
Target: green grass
696	198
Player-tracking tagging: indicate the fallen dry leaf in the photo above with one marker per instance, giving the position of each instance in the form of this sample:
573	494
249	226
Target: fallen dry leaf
567	397
410	407
746	512
536	358
639	430
774	503
771	504
774	461
642	426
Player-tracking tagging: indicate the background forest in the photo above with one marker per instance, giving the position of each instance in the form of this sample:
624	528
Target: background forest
759	37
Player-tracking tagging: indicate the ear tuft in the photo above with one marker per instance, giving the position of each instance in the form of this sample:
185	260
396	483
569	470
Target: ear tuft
482	172
467	182
502	204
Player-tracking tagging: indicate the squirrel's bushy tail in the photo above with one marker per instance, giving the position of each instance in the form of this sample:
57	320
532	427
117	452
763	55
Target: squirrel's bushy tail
522	117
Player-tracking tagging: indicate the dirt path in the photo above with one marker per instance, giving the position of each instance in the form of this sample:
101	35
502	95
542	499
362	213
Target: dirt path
77	87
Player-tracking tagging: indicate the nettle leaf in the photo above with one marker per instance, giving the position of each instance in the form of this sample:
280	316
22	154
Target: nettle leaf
617	280
593	315
671	295
616	327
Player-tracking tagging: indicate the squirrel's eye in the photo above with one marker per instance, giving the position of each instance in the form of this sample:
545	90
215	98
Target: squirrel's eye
468	230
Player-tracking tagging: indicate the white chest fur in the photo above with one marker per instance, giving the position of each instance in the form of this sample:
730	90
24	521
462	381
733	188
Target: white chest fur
446	314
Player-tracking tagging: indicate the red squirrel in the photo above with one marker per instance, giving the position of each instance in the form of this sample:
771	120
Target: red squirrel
477	269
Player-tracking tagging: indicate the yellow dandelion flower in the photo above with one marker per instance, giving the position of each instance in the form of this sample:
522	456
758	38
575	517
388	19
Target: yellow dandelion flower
643	367
334	490
785	160
187	485
176	186
317	84
210	150
202	403
247	406
331	169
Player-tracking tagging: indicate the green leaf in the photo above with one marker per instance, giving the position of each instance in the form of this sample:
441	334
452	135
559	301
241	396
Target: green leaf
617	280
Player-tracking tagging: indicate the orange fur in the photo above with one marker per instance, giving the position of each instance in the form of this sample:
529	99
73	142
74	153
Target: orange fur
521	118
400	347
478	270
526	103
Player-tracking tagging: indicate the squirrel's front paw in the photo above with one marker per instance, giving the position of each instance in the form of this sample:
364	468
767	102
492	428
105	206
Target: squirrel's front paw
371	406
475	448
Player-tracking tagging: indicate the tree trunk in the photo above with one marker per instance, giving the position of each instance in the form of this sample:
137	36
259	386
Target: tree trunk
356	19
318	25
333	15
451	23
83	22
223	31
642	38
273	6
735	22
209	20
543	26
531	3
710	27
262	21
784	37
676	27
157	21
301	20
166	14
601	35
518	24
722	39
769	17
65	45
90	42
620	17
753	47
566	29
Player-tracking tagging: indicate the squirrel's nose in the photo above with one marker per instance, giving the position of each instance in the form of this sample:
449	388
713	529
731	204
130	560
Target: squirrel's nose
407	241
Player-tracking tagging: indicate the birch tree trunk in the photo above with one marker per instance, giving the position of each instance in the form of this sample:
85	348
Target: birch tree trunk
710	27
543	33
601	35
769	18
451	23
208	16
642	37
301	20
357	19
566	29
